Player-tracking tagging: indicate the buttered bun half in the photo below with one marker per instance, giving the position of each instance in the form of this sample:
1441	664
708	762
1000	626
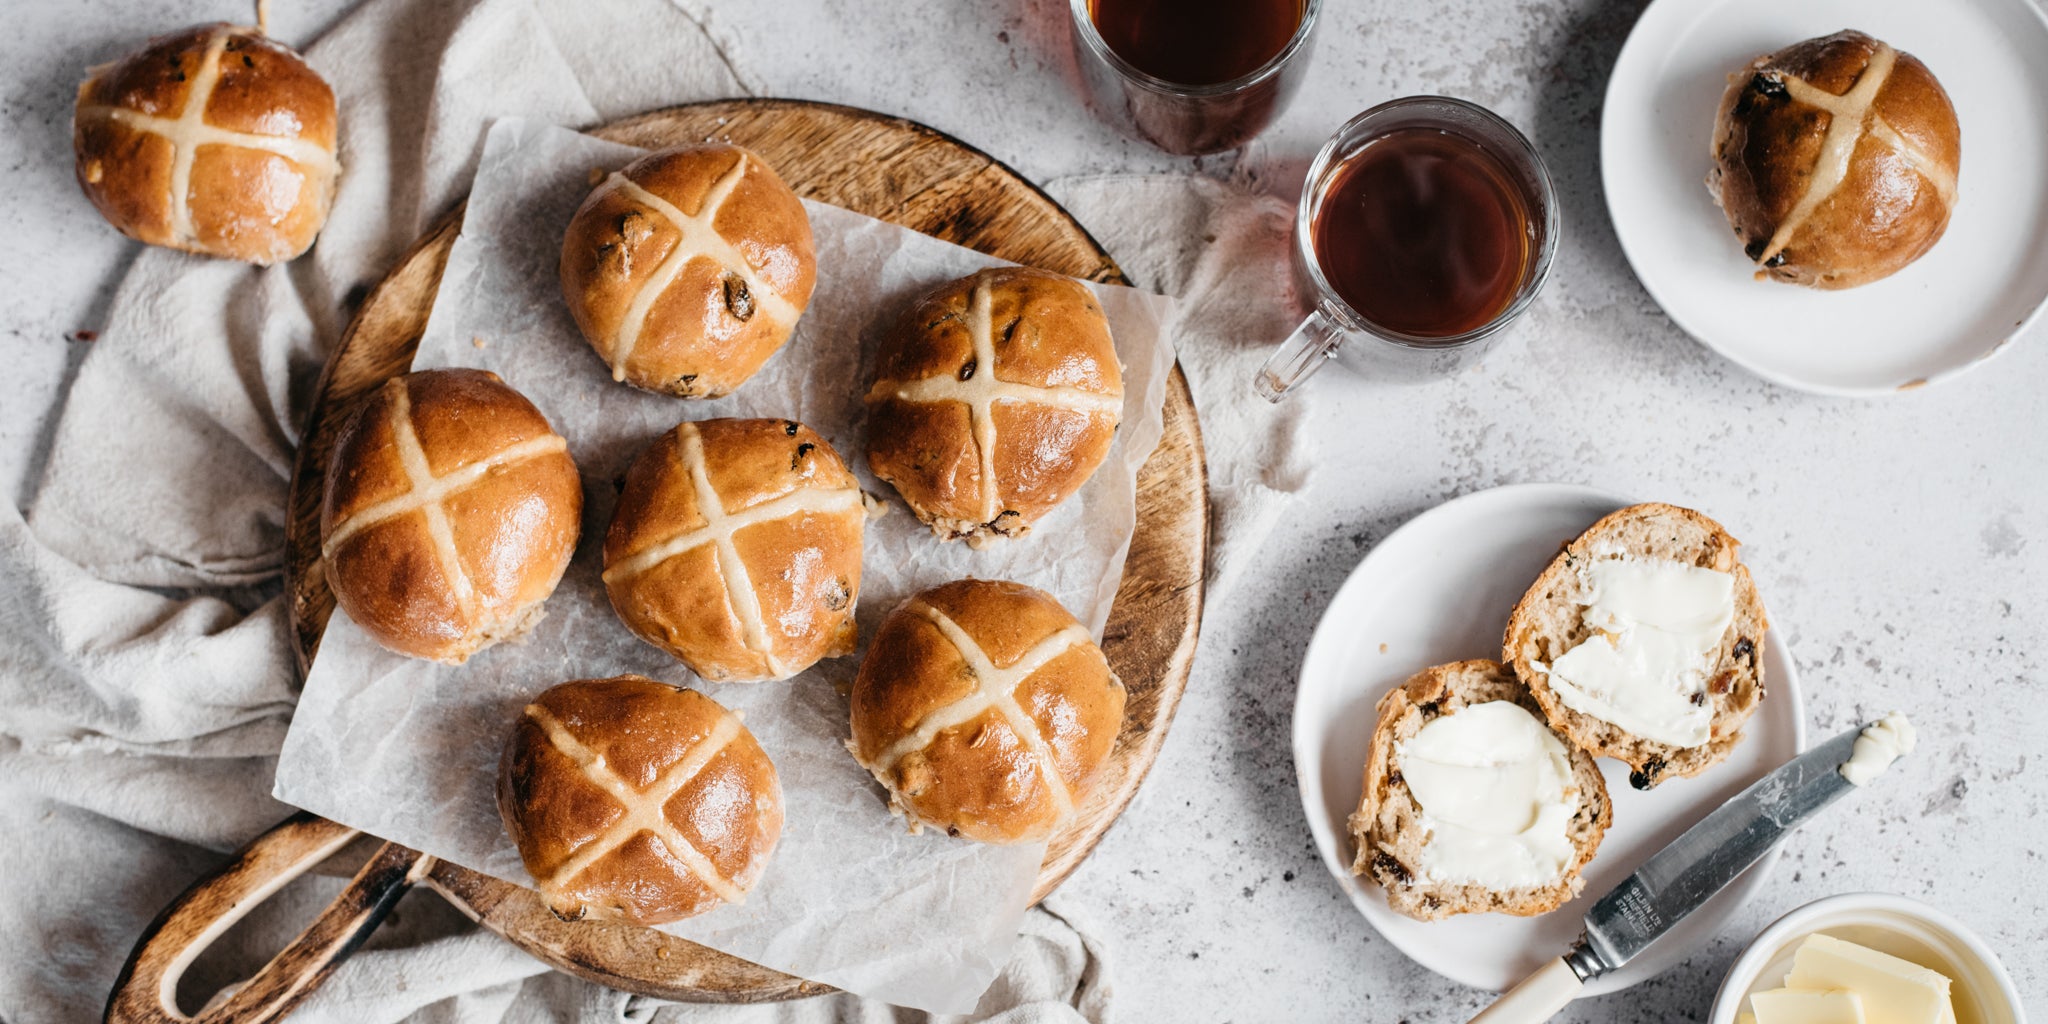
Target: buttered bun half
1471	803
1643	641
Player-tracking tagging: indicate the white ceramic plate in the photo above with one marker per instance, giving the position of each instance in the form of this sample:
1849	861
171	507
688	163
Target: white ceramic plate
1439	589
1961	302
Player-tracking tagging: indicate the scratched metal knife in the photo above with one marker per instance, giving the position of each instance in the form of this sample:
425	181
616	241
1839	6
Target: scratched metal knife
1680	877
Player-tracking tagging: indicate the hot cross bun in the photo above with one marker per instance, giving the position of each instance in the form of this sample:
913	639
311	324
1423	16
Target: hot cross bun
995	398
689	268
631	799
736	547
986	710
1835	160
450	512
214	140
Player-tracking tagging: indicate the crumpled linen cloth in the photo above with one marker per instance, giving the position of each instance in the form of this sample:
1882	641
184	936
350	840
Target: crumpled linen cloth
1224	254
146	675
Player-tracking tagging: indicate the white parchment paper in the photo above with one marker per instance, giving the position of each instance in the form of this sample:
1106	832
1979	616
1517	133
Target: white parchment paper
408	750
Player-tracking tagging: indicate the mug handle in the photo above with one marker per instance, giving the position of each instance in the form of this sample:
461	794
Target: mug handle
1303	353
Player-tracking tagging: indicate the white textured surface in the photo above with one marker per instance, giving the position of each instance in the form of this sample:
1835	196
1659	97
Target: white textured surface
1900	544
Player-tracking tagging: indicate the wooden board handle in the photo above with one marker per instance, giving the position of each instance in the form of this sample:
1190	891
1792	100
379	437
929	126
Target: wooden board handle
147	990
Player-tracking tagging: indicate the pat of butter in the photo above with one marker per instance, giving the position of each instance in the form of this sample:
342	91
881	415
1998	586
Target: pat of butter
1894	991
1807	1006
1494	787
1658	625
1881	743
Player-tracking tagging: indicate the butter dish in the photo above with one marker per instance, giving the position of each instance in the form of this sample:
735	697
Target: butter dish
1981	991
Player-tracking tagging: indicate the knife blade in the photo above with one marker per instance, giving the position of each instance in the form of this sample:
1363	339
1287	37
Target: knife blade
1676	880
1696	865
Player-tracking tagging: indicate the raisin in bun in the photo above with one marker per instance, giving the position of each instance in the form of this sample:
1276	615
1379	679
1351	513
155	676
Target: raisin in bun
995	398
631	799
736	547
986	710
1835	160
214	140
451	509
688	269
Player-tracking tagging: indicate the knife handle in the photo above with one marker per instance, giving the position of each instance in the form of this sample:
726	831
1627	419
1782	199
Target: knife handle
1537	998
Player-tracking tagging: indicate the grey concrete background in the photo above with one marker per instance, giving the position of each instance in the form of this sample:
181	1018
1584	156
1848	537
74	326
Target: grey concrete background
1899	544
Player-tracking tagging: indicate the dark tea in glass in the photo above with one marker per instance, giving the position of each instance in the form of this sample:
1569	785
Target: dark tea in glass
1197	42
1424	233
1426	226
1193	76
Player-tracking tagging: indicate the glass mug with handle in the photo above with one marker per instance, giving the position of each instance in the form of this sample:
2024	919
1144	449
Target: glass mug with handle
1426	226
1193	77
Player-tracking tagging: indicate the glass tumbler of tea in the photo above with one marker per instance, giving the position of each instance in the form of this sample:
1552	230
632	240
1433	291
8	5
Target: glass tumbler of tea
1426	226
1193	76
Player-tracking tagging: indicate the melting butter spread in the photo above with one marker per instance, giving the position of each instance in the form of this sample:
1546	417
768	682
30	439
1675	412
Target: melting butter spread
1494	785
1878	746
1657	627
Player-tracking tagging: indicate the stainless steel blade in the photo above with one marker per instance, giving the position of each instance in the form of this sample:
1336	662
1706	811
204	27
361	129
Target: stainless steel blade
1695	866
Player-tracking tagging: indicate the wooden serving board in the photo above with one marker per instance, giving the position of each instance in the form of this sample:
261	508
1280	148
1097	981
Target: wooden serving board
888	168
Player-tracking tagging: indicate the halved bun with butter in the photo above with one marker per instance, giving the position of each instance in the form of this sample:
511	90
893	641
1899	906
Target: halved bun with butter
1461	759
1643	641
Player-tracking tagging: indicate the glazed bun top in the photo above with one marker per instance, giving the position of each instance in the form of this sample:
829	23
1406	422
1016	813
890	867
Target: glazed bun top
689	268
450	511
1835	160
995	398
215	140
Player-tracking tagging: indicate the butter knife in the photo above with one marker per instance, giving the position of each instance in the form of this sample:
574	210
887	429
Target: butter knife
1680	877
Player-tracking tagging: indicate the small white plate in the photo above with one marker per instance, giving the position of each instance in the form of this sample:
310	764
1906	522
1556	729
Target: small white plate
1439	589
1962	301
